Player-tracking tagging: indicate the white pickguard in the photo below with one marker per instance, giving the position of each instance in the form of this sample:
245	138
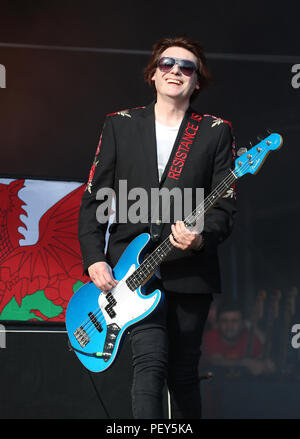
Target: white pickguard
129	304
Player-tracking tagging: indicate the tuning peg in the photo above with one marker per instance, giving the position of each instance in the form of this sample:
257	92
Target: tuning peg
269	131
260	138
242	151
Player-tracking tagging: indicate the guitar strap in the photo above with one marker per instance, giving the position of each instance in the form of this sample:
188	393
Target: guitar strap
176	163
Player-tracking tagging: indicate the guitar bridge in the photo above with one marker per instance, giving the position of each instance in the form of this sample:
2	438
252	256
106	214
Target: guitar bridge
81	336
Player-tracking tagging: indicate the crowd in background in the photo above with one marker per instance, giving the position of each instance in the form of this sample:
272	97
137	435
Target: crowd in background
249	345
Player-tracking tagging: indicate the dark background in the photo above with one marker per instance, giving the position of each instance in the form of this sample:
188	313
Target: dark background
69	63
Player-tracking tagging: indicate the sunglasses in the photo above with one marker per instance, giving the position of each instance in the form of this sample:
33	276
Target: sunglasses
166	63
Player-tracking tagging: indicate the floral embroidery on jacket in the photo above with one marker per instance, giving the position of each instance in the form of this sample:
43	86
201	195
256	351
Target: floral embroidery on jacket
93	168
120	113
91	175
217	121
124	113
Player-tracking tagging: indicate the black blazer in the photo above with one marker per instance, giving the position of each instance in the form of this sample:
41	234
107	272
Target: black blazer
127	151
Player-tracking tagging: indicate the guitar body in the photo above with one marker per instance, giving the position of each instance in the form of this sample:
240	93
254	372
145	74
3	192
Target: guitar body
96	322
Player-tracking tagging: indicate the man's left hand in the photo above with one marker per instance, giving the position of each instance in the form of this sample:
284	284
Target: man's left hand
185	239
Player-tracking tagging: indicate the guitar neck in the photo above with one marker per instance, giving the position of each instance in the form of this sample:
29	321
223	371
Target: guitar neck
154	259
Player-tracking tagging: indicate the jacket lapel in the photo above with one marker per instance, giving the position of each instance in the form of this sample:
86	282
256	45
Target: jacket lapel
146	127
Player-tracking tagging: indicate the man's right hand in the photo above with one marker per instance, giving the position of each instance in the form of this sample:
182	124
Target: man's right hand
101	274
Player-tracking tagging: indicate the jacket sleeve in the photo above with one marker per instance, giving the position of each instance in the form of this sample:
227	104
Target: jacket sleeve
218	221
92	224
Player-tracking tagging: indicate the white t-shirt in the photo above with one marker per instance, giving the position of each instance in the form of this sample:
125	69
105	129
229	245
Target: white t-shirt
165	138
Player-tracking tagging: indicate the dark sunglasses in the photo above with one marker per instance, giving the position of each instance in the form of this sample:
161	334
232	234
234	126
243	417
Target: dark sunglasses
166	63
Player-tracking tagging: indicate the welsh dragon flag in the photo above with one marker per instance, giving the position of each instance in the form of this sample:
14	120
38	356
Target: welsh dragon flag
40	259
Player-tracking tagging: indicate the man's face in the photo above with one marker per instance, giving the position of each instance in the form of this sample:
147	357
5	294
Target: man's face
230	325
174	84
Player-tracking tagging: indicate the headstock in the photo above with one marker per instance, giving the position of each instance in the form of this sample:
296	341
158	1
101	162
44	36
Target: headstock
252	160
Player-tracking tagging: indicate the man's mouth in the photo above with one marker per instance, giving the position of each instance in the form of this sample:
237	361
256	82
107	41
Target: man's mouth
174	81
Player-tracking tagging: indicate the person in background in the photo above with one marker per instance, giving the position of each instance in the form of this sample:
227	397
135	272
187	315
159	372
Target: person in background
230	346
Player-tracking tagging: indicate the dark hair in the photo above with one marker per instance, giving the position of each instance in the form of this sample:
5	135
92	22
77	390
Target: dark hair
204	76
229	306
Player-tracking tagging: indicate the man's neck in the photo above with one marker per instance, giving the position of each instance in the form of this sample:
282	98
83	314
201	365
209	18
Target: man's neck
170	113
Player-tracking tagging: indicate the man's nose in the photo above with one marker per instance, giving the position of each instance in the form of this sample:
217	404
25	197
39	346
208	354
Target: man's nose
176	69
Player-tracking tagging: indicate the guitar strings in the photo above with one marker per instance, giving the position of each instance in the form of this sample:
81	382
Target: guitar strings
166	244
231	176
89	324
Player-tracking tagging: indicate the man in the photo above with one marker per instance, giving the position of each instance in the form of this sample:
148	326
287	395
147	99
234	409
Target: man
142	146
230	347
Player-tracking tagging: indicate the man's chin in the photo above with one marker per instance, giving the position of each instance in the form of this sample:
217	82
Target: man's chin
176	96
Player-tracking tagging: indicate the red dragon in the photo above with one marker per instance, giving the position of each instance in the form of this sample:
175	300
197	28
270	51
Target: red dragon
53	264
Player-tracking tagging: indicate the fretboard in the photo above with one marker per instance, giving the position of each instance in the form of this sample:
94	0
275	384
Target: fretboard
154	259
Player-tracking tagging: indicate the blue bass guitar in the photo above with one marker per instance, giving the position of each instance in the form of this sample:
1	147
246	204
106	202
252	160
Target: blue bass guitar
96	322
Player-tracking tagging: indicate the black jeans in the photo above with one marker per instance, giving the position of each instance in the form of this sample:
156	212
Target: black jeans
166	346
